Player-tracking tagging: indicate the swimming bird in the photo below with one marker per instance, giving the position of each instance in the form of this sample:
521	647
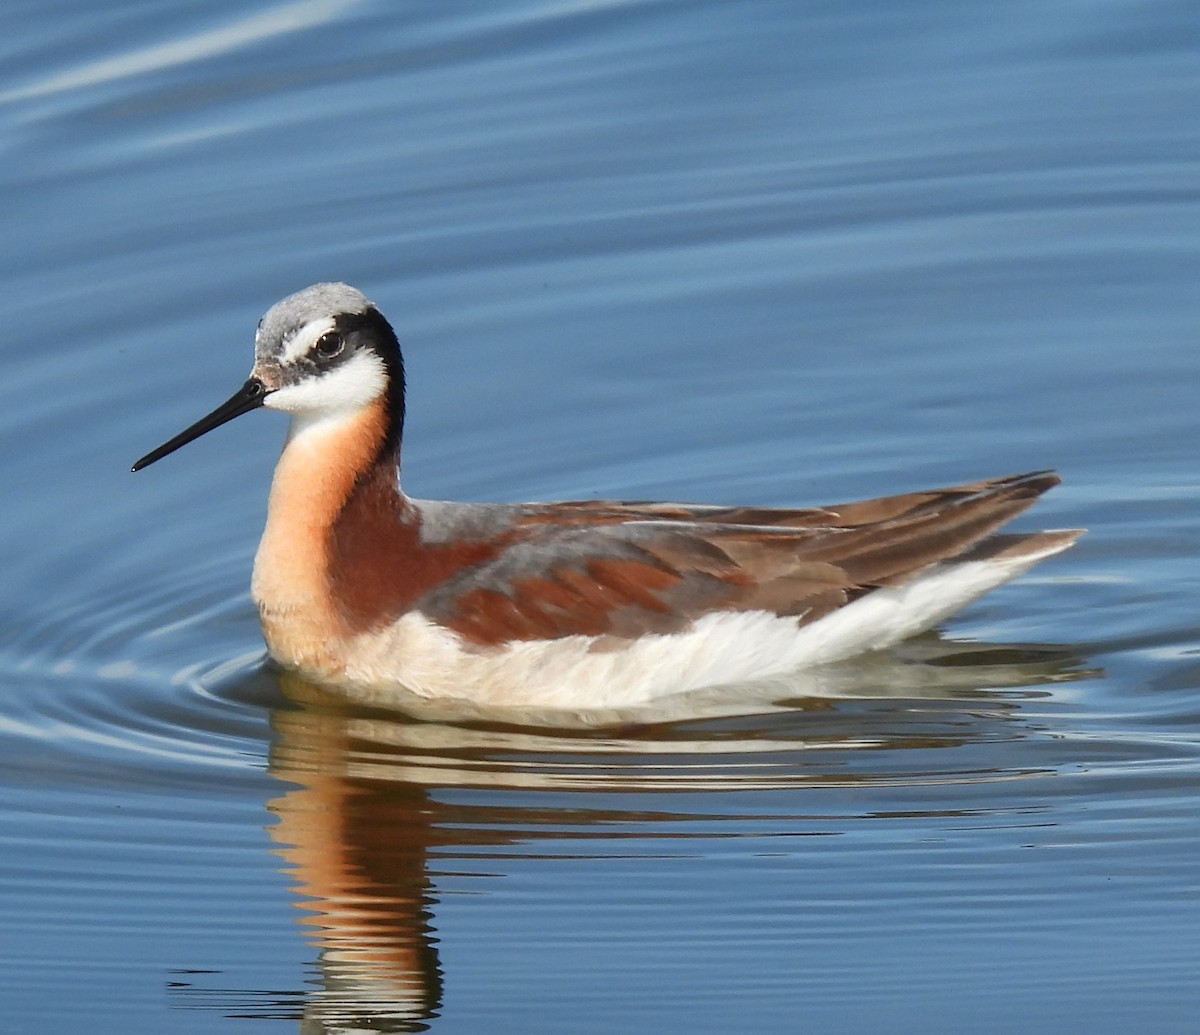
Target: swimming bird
590	603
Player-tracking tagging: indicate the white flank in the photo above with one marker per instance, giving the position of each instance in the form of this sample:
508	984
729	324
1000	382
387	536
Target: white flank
720	649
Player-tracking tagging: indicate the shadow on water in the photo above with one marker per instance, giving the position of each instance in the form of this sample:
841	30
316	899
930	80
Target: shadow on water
380	802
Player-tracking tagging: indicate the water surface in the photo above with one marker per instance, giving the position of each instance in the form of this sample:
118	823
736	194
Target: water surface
780	254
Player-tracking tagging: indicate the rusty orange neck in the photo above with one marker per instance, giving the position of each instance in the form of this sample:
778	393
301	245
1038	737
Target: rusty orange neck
315	477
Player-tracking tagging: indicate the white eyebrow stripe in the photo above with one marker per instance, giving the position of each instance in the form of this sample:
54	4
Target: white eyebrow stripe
304	338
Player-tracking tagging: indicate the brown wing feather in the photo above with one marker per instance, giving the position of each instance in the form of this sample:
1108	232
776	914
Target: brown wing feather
842	515
607	569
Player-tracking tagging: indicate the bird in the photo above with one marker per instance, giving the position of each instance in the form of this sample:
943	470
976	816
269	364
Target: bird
573	604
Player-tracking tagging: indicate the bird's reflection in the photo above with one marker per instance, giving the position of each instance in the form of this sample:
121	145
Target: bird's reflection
357	846
363	814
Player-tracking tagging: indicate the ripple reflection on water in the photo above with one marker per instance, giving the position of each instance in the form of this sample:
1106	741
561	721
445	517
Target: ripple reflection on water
378	807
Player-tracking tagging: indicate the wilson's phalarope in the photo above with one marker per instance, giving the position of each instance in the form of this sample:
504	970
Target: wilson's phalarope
580	604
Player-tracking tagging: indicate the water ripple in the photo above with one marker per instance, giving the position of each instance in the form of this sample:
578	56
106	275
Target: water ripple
237	33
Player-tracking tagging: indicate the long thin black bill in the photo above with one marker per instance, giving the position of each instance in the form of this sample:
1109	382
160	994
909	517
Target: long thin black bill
249	397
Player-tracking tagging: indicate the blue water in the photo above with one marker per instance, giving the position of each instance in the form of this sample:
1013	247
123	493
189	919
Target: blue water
757	253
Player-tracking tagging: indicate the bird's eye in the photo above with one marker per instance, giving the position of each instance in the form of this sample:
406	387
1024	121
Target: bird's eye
328	345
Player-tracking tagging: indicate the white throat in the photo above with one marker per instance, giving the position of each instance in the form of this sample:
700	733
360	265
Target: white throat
329	401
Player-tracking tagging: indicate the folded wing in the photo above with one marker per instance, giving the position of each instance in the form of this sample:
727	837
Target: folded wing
598	568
